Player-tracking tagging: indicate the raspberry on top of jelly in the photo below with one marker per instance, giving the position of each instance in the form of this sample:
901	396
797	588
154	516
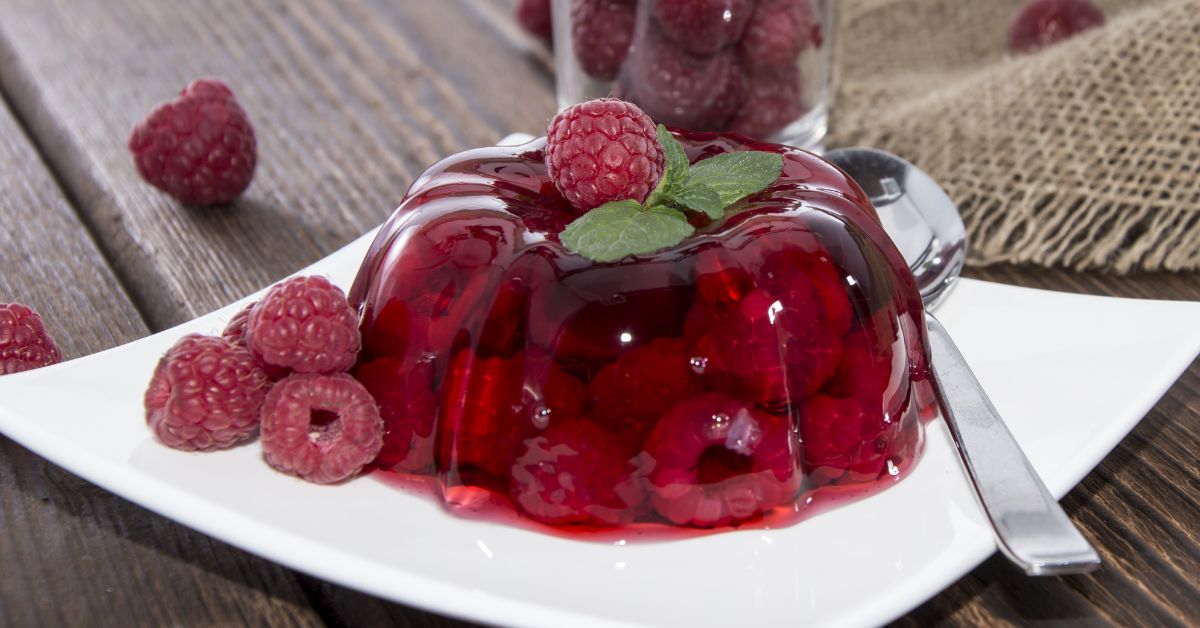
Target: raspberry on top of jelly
776	353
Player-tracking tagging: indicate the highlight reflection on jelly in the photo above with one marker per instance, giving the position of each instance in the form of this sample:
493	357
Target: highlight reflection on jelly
772	363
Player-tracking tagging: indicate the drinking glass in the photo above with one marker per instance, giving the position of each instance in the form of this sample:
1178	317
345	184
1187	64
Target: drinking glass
756	67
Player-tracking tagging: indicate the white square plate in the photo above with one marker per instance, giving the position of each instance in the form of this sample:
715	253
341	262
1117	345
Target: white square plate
1071	374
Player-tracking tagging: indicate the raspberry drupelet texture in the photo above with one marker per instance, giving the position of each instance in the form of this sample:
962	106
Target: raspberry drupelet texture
322	428
205	394
679	89
778	31
235	332
575	472
773	100
601	31
199	148
305	324
720	461
703	27
24	342
630	394
603	150
404	393
1043	23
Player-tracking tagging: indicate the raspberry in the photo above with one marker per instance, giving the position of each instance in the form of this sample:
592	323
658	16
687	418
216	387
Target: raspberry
786	268
773	100
322	428
478	425
718	462
773	348
305	324
778	32
678	89
628	395
703	27
603	150
1043	23
24	342
574	472
235	332
404	394
848	439
199	148
601	31
205	394
865	368
534	17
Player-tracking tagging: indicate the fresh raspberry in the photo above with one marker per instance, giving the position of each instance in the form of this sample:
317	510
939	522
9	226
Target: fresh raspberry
305	324
601	31
629	395
322	428
534	16
778	32
603	150
235	332
199	148
205	394
404	394
575	472
703	27
773	101
24	342
718	461
678	89
1043	23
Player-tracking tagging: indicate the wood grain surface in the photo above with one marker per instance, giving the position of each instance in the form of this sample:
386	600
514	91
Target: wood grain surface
71	553
350	100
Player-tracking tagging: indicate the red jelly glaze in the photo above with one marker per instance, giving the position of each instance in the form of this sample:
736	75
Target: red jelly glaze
779	353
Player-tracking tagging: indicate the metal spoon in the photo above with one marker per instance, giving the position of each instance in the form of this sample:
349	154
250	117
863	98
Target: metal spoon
1031	528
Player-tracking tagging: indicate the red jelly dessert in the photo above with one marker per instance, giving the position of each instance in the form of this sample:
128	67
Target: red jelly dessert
775	355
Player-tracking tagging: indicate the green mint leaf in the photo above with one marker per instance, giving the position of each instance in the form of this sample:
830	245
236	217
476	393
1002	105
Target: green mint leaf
676	160
701	198
734	176
619	228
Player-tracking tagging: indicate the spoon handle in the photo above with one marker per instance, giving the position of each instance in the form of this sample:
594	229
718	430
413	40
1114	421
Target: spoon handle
1032	529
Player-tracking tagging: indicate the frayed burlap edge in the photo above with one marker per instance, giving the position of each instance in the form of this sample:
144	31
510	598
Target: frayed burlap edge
1085	155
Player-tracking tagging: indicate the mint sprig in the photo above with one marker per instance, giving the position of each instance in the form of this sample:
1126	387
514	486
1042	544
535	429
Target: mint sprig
620	228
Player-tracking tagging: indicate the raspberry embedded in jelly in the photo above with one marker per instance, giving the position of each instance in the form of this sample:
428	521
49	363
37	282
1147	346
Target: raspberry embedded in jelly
715	383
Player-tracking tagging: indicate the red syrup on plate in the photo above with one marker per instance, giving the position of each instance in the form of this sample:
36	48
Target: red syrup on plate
769	367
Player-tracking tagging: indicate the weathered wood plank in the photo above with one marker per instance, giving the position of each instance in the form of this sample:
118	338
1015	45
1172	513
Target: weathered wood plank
74	554
350	101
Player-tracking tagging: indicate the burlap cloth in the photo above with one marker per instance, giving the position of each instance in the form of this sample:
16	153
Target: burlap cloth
1085	155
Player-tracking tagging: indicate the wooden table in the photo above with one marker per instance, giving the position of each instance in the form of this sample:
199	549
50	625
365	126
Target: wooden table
351	99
